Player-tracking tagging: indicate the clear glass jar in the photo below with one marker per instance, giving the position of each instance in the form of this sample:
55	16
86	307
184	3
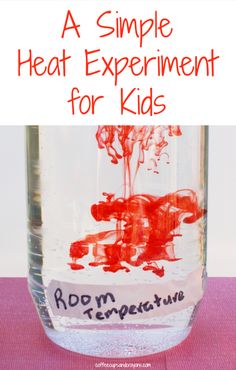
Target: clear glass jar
117	234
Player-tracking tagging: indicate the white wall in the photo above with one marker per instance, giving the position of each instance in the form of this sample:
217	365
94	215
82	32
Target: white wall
222	202
221	210
13	248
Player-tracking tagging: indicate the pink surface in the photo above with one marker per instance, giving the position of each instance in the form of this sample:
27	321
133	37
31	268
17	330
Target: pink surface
211	344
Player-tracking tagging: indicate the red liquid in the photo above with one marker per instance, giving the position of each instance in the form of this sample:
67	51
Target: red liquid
146	225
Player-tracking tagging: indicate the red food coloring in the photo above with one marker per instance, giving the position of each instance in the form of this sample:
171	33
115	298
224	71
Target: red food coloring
146	225
75	266
155	269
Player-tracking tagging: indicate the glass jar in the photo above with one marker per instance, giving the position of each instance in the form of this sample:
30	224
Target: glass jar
117	234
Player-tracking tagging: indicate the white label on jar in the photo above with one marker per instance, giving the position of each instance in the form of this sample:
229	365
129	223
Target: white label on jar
123	303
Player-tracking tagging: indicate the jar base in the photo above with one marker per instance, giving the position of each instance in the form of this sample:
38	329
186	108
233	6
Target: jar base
119	343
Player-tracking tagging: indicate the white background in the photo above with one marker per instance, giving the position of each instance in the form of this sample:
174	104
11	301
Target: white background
198	27
221	209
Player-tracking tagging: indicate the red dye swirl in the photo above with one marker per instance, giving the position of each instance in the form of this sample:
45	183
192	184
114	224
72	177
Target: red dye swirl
120	141
146	225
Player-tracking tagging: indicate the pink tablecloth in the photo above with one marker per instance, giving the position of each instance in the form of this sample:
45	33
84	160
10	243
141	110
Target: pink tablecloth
211	345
